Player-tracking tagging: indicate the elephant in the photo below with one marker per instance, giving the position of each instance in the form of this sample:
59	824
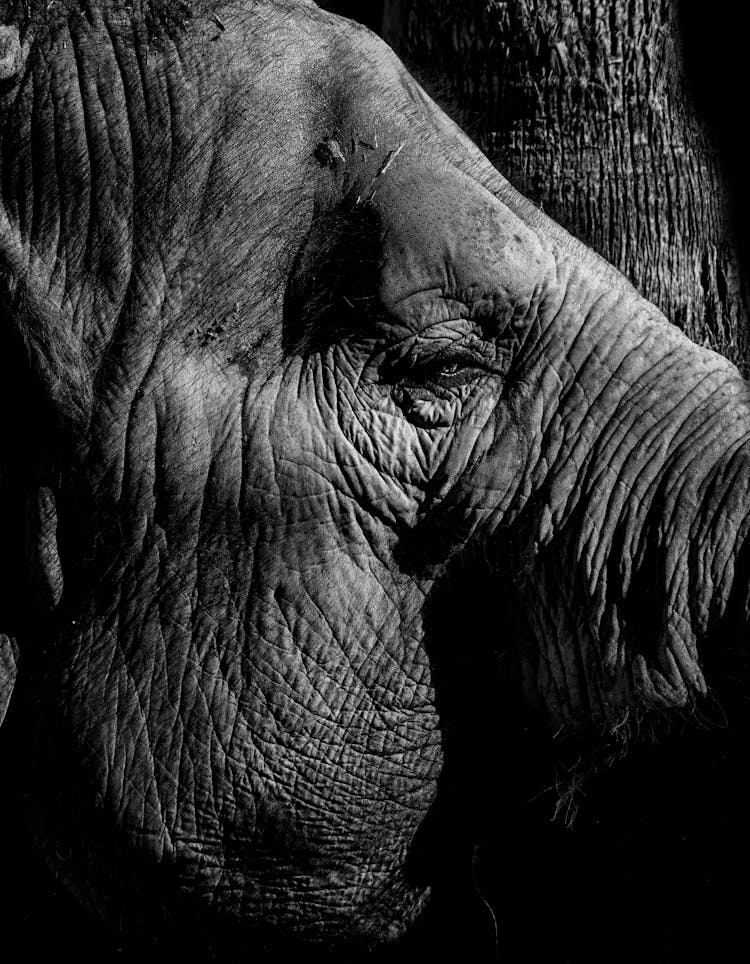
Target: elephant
328	437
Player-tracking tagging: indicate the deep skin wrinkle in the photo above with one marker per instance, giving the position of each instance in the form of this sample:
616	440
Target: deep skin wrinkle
293	322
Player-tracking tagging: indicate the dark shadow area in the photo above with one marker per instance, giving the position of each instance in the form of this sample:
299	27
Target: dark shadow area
713	47
333	290
21	418
649	869
368	12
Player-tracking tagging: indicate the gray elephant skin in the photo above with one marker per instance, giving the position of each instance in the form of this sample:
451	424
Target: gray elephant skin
316	436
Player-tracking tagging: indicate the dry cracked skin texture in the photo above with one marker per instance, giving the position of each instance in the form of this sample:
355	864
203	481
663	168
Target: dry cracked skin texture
331	430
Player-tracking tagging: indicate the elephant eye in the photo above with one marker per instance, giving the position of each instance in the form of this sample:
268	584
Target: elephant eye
452	367
445	374
437	370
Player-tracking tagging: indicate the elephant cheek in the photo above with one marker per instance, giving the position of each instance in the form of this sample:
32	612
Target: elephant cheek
485	470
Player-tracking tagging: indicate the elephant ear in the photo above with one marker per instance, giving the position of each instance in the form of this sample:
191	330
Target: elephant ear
8	668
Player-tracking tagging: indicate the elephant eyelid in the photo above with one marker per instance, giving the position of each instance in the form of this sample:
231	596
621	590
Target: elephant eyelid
449	367
451	358
444	377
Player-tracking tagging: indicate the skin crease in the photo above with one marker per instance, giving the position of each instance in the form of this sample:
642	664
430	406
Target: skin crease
302	351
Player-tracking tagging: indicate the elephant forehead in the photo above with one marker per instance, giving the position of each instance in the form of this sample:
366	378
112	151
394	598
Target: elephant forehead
444	233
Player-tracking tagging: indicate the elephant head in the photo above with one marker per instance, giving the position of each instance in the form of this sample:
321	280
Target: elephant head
316	410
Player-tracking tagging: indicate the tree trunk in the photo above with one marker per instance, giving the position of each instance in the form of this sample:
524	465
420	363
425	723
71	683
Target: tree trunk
584	107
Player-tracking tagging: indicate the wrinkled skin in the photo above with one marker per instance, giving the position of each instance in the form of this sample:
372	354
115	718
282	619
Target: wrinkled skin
302	363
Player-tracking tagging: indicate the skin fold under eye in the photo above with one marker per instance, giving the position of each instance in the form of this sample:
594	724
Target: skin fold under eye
429	381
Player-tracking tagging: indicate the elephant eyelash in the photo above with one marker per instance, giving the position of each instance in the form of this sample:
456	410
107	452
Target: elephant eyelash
444	374
450	368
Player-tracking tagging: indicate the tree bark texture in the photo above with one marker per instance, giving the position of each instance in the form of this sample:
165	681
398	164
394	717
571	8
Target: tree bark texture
583	105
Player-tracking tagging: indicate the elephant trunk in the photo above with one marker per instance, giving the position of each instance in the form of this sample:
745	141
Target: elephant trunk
627	556
610	474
